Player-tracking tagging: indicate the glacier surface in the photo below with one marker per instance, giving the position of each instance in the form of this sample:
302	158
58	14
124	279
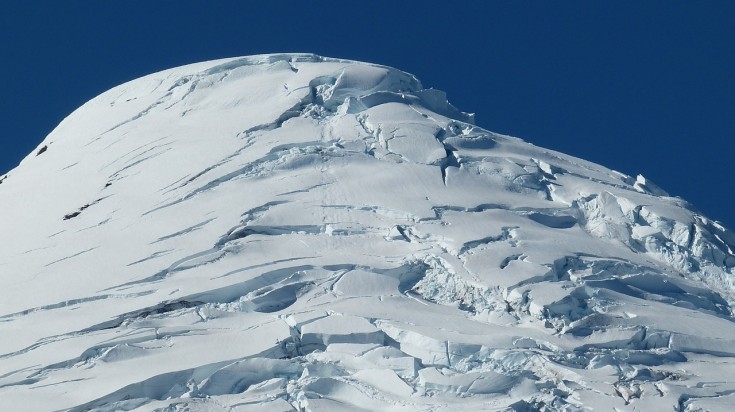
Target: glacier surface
294	232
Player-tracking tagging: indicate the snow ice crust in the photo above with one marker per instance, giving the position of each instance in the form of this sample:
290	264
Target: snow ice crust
293	232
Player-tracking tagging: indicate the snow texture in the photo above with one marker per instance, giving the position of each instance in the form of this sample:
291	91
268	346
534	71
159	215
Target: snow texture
294	232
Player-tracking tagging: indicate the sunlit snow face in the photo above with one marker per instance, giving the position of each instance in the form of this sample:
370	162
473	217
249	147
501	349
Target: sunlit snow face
297	232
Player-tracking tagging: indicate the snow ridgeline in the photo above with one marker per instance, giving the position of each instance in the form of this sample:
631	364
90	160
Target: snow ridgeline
293	232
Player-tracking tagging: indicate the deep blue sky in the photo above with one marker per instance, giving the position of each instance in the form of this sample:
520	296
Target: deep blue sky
641	87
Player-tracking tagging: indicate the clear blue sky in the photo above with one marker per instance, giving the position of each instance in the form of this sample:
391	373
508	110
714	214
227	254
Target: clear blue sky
639	86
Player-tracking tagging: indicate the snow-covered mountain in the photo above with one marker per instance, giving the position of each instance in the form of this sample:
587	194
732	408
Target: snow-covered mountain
293	232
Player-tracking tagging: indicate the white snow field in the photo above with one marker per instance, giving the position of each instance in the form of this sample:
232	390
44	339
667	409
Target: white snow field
294	232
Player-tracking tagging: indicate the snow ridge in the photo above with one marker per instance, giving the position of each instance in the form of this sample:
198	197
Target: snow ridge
293	232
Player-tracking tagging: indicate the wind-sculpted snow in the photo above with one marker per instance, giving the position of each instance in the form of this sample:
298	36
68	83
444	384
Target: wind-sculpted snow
292	232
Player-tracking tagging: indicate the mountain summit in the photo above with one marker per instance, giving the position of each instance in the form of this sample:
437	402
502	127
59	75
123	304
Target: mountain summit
294	232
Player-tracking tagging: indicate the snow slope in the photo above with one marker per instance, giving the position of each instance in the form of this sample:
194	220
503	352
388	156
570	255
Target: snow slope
293	232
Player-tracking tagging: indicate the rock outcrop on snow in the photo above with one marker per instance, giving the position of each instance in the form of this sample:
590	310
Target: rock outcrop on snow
294	232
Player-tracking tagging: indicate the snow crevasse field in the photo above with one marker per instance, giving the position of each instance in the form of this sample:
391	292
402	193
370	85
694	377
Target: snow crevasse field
294	232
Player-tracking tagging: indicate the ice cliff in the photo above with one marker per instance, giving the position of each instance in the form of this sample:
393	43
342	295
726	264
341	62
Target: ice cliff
294	232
